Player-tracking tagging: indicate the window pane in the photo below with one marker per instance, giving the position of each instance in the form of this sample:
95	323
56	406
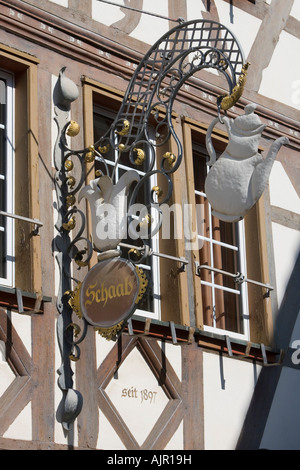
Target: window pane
6	178
2	179
227	311
101	127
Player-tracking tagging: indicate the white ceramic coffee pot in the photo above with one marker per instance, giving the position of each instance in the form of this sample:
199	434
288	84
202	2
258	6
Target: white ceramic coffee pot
237	179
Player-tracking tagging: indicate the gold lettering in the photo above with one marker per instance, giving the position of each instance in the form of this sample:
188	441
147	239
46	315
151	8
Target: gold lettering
105	293
120	290
112	292
98	296
90	293
128	286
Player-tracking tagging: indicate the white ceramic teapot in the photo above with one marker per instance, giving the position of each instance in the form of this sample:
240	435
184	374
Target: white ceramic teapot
237	179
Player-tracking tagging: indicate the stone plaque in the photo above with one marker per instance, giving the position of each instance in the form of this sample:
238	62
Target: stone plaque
109	293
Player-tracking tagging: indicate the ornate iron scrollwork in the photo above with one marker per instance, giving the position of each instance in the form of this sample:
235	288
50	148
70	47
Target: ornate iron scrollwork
179	54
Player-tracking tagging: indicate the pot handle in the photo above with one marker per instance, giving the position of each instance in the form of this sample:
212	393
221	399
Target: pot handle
209	144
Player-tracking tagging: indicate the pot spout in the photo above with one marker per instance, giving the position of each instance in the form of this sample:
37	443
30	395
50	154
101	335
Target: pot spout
262	171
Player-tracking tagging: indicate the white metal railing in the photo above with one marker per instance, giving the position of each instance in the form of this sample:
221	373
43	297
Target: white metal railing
238	277
37	223
183	261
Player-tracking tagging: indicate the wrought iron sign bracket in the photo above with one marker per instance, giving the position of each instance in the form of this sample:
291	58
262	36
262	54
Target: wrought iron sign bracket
185	50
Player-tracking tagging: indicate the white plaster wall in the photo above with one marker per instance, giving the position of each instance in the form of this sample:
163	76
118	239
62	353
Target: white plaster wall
63	3
108	439
176	442
295	12
282	192
21	428
173	354
145	31
6	374
22	325
107	14
286	243
195	9
281	78
228	387
139	414
281	431
242	25
126	392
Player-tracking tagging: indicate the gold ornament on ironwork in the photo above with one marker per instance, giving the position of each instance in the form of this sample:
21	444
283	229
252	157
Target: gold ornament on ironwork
104	149
71	181
78	258
73	129
158	191
69	165
140	156
76	329
74	300
90	155
75	357
170	157
227	101
70	200
70	225
110	333
125	130
135	252
143	283
146	222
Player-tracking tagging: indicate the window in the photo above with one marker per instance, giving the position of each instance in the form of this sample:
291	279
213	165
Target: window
6	177
222	305
20	251
221	250
103	118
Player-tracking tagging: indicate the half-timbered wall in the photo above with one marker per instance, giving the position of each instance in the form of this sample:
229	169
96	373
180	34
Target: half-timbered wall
152	389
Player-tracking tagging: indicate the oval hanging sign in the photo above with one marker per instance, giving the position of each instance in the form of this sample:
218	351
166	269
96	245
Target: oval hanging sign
109	293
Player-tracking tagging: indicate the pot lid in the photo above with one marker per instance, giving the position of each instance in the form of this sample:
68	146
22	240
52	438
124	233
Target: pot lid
249	121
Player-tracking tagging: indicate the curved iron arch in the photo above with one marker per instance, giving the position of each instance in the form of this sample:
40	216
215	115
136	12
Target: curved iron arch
176	56
216	48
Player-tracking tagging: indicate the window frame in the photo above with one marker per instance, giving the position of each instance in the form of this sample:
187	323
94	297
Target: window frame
27	265
240	249
8	177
